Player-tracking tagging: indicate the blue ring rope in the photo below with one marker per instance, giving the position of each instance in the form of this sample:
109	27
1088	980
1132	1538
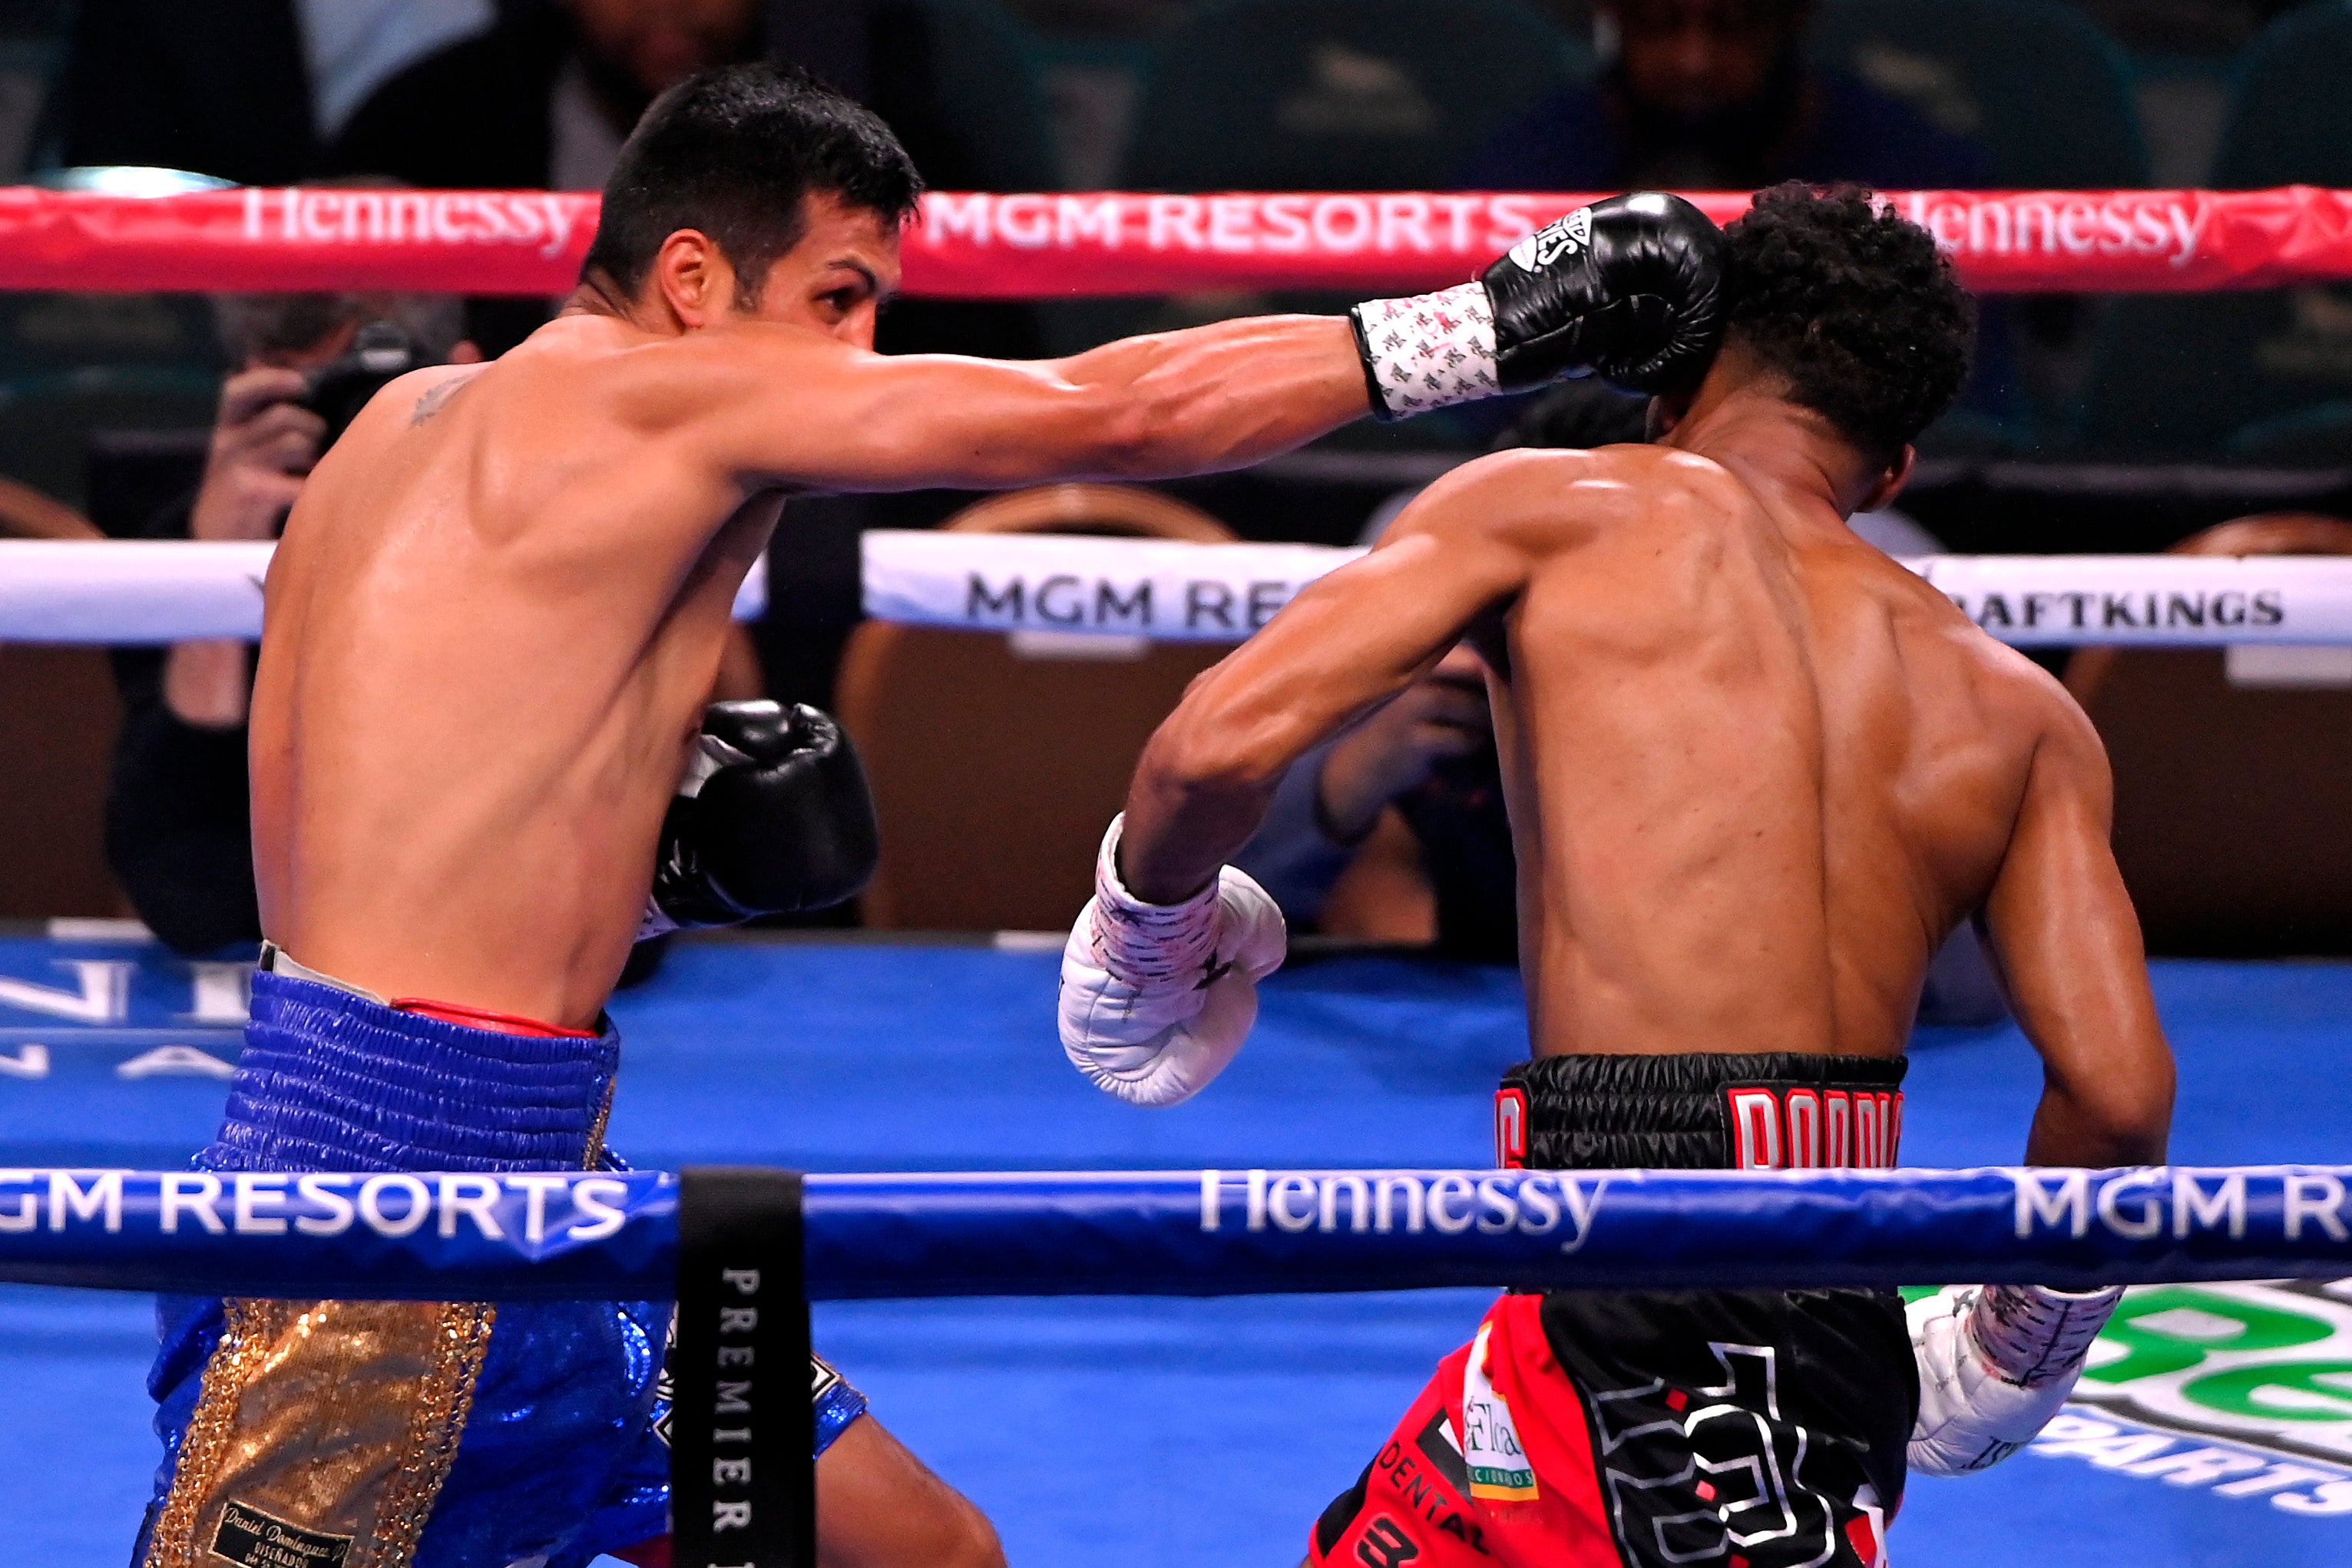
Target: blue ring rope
473	1238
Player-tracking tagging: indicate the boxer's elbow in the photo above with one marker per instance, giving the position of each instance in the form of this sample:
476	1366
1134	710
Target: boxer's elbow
2121	1116
971	1543
2135	1119
2134	1100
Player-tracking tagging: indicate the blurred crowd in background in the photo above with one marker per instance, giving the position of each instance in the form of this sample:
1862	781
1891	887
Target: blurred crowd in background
2098	424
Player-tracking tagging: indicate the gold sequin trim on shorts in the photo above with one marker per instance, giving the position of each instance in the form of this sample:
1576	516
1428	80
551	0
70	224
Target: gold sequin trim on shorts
340	1418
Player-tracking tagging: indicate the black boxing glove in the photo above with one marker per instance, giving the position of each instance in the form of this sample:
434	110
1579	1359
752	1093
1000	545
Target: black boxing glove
772	817
1630	289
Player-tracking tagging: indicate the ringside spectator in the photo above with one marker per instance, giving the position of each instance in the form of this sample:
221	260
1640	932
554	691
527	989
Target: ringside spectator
1718	95
544	99
241	89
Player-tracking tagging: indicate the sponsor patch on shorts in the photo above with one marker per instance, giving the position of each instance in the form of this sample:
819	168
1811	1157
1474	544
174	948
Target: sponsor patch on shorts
259	1540
1499	1470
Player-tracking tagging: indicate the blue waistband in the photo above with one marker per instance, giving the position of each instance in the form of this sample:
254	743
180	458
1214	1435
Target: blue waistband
333	1081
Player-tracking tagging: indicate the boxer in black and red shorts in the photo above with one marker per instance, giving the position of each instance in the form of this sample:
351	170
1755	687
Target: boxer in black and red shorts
1643	1429
1757	774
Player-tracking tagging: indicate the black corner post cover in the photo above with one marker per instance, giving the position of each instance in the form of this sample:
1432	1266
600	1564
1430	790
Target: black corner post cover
742	1436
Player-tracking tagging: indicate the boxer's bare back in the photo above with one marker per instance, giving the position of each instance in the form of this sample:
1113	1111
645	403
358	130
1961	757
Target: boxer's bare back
500	602
1756	770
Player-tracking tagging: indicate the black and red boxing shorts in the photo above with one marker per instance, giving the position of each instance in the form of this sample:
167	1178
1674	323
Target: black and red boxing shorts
1659	1429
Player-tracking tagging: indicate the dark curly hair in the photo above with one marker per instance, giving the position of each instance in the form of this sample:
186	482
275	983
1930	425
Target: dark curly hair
1854	306
733	152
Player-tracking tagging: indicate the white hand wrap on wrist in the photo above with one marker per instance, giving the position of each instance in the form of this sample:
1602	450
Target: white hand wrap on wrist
1157	998
1996	1362
1429	351
1149	945
2034	1337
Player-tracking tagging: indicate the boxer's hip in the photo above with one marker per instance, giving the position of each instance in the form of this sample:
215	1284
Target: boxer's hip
391	1432
1767	1425
1643	1429
1700	1110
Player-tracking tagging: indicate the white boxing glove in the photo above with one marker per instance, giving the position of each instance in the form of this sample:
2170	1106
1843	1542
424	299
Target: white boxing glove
1995	1363
1157	998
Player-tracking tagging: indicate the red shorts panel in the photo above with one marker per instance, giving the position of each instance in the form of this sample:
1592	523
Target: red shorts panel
1496	1462
1519	1490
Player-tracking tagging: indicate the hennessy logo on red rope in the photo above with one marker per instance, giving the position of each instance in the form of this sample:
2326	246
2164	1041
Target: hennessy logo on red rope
546	220
1017	245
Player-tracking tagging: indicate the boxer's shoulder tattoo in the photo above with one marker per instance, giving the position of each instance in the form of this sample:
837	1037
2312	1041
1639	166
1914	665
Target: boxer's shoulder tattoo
436	396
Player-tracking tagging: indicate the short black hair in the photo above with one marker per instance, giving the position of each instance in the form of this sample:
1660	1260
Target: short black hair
733	152
1854	306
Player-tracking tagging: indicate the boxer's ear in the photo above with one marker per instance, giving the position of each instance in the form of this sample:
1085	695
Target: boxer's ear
1890	483
691	282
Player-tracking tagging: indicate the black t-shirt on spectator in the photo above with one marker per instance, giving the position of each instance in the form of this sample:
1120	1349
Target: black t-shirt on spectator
473	116
178	833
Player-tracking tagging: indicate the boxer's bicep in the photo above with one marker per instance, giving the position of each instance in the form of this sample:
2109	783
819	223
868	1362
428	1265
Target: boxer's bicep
2068	943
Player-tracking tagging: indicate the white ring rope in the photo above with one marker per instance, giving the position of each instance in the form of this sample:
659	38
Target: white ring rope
130	592
150	592
1172	592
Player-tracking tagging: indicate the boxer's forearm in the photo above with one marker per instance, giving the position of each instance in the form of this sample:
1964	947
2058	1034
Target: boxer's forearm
794	410
1183	824
1221	396
1350	642
1210	773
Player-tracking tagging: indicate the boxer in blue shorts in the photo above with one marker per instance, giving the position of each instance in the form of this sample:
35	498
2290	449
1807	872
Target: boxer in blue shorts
332	1079
483	767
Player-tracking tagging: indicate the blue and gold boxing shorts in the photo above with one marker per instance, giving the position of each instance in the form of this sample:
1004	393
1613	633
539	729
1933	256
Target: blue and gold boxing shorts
431	1434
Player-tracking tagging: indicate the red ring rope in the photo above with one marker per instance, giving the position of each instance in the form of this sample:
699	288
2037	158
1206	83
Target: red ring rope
1029	246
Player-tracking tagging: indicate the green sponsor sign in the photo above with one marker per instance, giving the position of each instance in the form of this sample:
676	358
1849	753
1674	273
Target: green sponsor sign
2269	1365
